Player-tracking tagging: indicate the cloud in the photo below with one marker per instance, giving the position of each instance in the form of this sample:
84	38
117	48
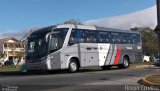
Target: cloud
147	17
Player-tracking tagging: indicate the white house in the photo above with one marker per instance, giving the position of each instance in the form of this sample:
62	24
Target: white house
11	49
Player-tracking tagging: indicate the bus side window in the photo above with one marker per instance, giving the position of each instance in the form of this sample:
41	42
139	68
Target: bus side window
81	36
123	38
100	38
127	40
114	37
137	39
132	39
91	36
54	43
73	38
103	37
77	36
119	38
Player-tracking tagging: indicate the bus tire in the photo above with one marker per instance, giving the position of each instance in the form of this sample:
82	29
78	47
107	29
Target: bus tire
125	63
73	66
106	67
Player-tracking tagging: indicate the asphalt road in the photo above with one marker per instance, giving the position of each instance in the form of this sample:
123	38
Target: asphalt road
95	80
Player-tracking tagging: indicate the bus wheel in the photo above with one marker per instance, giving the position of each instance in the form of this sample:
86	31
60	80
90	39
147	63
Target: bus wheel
106	67
73	66
125	63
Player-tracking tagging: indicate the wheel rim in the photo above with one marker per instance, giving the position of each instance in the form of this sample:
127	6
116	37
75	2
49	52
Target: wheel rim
73	66
126	63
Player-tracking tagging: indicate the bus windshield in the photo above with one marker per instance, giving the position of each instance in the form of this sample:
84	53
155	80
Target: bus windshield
38	47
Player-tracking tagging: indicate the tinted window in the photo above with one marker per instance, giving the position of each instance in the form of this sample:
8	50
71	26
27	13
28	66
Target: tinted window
104	37
135	38
73	37
77	36
127	38
91	36
115	37
130	38
81	36
37	45
123	38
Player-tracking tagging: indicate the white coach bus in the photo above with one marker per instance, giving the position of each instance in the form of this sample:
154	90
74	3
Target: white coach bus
71	46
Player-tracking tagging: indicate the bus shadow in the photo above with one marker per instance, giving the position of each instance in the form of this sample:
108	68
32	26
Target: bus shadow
54	72
21	73
95	70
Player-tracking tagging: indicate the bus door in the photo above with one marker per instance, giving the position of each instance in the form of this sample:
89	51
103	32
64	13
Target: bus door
91	55
91	47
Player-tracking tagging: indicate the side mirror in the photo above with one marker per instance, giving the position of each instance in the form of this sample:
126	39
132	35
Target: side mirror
47	37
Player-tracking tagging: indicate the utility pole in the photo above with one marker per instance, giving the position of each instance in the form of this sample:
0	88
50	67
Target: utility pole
157	29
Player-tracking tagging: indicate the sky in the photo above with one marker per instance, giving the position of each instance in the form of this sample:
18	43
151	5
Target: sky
19	15
142	18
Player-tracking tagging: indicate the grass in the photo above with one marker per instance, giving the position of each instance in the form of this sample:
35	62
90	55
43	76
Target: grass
10	68
154	79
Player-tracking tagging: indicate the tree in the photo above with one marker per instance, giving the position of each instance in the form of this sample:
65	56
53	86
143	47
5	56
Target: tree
72	21
28	32
149	40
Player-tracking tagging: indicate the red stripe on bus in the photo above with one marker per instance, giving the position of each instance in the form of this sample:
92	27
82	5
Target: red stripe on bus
118	55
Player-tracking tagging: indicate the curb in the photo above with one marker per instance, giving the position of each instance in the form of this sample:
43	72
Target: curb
141	66
146	82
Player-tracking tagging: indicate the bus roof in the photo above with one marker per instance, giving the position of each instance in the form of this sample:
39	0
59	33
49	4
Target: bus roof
116	30
83	27
94	28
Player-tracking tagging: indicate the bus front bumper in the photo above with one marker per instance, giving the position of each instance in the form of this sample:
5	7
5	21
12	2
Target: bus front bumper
36	66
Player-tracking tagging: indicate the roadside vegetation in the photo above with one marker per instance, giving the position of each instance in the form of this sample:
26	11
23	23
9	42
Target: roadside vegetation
149	40
10	68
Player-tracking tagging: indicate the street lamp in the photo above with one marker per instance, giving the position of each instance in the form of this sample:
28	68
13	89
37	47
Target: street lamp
157	29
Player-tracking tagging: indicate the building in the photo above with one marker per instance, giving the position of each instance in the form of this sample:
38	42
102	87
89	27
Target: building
11	50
